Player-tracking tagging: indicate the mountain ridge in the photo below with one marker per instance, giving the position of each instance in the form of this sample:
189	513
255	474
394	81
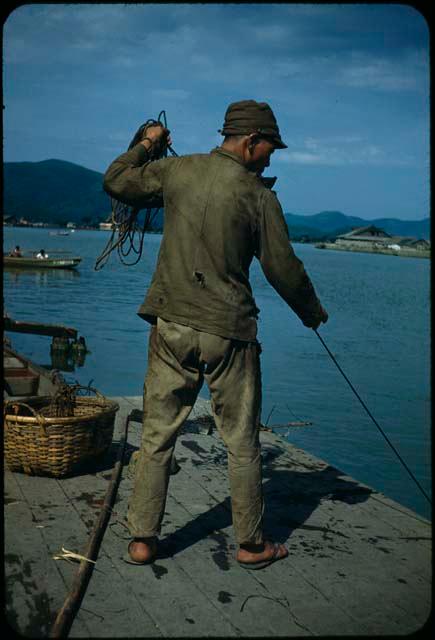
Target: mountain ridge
58	191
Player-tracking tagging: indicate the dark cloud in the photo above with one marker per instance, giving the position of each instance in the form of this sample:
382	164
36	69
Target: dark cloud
88	75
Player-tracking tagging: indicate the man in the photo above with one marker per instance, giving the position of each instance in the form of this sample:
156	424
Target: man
42	255
218	216
16	253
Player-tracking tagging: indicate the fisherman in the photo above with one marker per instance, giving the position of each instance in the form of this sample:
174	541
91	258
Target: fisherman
42	255
218	215
16	253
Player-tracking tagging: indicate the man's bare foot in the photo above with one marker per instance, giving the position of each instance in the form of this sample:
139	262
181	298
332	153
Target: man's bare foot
142	551
261	555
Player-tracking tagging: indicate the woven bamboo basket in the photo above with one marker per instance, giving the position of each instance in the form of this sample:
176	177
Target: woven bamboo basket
38	443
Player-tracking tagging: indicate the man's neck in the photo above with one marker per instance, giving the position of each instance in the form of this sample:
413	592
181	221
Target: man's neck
234	148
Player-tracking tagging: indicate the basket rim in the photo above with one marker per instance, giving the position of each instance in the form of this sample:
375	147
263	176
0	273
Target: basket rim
109	406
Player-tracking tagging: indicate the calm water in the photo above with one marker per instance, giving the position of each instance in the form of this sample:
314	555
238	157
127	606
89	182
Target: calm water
379	309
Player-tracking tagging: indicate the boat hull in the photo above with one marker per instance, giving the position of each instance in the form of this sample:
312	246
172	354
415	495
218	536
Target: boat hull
35	263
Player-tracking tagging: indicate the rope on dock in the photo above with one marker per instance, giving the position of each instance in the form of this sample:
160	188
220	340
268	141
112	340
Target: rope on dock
70	607
373	419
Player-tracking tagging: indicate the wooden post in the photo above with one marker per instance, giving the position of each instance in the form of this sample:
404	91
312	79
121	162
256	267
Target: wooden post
70	607
60	344
37	328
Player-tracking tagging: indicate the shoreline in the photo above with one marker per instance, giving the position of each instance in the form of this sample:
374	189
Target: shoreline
403	253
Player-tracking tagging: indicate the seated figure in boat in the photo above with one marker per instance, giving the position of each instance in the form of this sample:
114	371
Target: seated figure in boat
42	255
16	253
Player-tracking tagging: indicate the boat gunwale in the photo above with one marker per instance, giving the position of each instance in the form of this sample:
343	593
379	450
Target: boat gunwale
38	263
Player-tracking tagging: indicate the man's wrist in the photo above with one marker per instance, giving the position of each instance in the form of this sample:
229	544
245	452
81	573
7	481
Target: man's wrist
147	143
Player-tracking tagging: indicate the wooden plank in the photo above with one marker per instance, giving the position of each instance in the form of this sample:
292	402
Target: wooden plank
359	563
202	532
56	331
67	613
34	585
176	607
238	582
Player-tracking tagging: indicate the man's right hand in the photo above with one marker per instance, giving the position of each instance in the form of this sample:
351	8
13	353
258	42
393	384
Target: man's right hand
315	324
157	137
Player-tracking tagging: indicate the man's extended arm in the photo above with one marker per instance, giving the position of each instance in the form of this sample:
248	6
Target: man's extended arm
284	271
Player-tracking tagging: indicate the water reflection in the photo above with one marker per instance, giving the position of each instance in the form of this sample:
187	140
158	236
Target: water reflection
66	355
67	360
39	277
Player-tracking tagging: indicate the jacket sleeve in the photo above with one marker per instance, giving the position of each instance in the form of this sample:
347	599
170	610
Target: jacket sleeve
134	180
284	271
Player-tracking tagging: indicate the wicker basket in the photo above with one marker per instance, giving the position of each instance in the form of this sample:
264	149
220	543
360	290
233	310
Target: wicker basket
37	443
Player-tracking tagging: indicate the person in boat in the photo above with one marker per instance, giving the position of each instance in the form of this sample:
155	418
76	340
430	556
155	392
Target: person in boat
42	255
219	214
16	253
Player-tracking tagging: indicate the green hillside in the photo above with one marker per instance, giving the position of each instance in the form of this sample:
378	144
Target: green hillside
58	192
53	191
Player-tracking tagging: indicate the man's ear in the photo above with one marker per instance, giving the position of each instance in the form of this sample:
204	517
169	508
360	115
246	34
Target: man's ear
252	140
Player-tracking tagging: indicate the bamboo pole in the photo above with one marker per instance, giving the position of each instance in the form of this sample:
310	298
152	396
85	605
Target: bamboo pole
70	607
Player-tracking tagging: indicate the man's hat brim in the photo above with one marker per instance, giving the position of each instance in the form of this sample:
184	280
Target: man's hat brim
248	116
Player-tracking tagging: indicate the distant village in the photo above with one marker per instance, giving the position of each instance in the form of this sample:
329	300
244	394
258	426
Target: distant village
372	239
369	239
13	221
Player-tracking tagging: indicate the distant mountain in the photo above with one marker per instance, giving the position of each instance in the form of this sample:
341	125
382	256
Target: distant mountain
53	191
59	192
333	223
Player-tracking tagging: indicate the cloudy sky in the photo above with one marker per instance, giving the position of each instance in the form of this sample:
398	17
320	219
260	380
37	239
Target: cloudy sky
349	85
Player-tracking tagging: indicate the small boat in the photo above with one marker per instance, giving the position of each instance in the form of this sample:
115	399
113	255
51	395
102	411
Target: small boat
38	263
22	377
58	233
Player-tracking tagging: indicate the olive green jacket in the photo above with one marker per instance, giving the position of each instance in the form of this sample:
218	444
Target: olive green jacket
217	217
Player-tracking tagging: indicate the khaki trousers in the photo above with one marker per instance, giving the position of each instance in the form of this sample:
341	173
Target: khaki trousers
179	359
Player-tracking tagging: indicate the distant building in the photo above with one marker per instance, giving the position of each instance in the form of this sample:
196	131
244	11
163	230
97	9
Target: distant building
9	220
108	224
373	238
361	237
413	243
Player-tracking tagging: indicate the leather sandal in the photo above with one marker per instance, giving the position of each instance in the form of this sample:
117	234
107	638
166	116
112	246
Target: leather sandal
261	564
152	548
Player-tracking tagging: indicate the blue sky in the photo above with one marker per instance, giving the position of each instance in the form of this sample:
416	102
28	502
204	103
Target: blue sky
349	85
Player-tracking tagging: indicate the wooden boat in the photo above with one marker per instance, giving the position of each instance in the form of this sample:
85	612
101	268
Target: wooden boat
37	263
22	377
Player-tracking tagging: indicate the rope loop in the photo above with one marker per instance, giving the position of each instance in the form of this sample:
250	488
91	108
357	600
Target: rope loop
128	233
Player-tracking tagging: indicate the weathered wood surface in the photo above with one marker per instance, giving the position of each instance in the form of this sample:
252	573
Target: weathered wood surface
37	328
360	564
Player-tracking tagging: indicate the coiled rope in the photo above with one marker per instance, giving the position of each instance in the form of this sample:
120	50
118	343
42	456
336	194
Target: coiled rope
127	232
372	417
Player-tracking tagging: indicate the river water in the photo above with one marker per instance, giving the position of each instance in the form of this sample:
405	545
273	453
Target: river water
379	332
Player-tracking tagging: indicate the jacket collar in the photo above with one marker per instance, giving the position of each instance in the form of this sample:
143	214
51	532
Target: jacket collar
223	152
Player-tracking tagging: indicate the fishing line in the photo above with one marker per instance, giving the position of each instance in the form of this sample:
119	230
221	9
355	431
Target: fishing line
372	417
127	232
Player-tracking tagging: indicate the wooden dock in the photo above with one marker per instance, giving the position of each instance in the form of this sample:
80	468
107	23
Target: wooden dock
359	564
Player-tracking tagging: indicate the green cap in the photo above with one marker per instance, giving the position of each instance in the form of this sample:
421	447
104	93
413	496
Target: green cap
248	116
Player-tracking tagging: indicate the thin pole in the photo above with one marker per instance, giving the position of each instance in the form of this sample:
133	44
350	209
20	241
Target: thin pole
372	417
70	607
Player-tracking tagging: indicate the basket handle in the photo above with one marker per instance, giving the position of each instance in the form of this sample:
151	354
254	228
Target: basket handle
15	405
97	393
